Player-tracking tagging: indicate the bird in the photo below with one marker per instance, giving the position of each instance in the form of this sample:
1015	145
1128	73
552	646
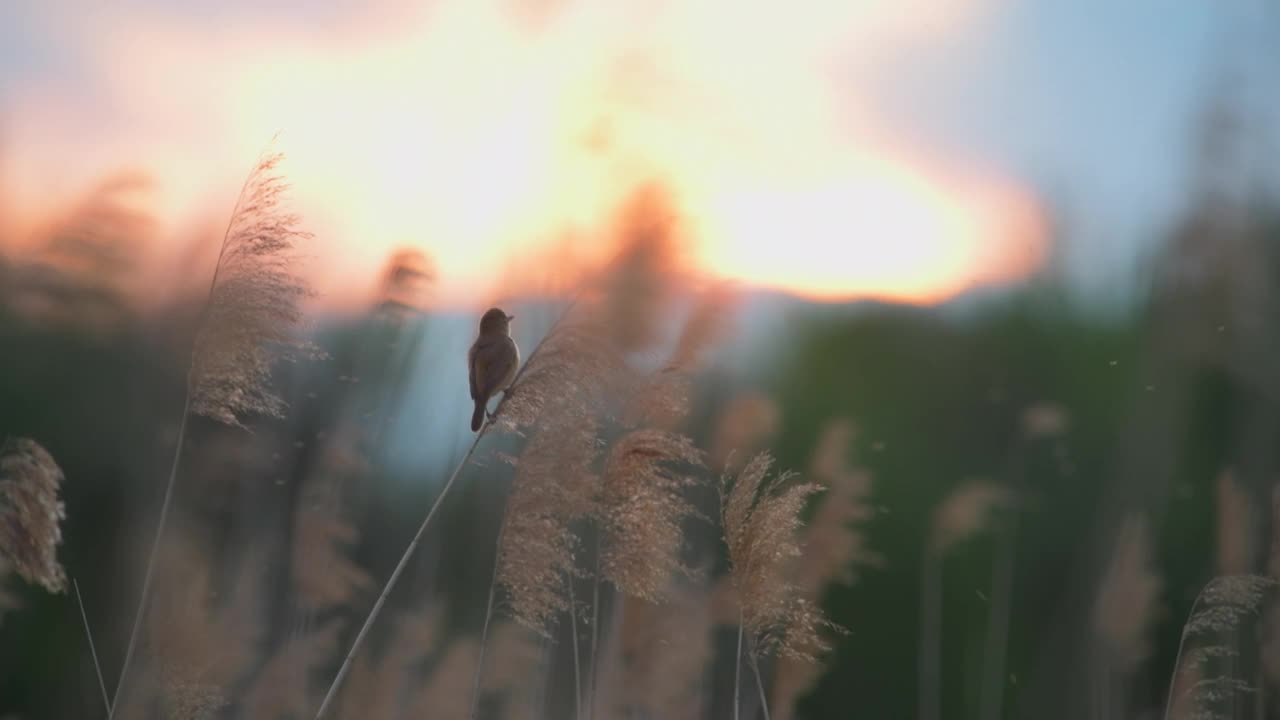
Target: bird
491	361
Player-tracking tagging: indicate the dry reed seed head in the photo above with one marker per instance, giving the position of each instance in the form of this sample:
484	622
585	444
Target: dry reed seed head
1128	597
660	400
201	640
553	487
377	688
965	513
745	424
1045	420
710	321
31	513
284	686
408	279
324	576
1235	526
643	510
666	651
574	372
446	694
516	654
88	256
761	519
834	546
638	284
254	307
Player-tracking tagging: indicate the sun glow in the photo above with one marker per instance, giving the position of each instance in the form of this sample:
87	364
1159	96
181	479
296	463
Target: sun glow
474	131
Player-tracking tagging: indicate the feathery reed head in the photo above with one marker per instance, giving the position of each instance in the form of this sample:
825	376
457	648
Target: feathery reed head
323	575
1127	599
666	651
573	372
761	518
965	513
661	399
642	509
554	485
254	304
407	280
1210	688
638	283
745	423
1044	420
30	513
1236	524
445	694
200	638
834	545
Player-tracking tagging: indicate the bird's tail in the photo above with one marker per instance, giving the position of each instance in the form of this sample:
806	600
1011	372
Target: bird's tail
477	418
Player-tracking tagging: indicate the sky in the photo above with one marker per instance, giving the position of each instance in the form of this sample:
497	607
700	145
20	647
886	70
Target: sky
831	148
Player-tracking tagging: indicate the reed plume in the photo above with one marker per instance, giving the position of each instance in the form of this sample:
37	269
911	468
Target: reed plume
444	693
247	324
283	686
87	258
761	520
323	574
378	688
746	422
1204	651
834	549
1128	598
661	399
642	509
963	514
554	486
761	517
637	285
1123	613
201	639
666	650
1235	526
31	513
254	305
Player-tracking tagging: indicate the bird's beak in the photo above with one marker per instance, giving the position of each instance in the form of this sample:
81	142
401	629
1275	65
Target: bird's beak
510	318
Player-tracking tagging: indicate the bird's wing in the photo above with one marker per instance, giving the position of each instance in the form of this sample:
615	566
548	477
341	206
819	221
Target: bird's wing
471	369
493	365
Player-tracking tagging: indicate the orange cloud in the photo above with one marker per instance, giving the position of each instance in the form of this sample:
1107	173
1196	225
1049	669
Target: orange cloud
473	130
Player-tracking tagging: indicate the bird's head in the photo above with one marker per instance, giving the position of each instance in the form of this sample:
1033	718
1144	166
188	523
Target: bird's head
496	320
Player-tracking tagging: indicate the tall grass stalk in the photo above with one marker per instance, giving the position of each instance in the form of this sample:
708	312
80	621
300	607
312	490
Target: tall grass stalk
737	672
93	652
253	302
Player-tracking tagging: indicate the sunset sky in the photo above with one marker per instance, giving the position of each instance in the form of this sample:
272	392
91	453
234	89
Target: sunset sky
833	148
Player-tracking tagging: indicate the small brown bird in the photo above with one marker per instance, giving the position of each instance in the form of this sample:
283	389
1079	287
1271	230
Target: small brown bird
492	361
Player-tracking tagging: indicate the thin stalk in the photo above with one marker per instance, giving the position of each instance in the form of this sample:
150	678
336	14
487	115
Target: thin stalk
577	670
413	544
155	551
177	457
755	668
484	632
594	657
92	651
998	619
395	576
737	673
930	634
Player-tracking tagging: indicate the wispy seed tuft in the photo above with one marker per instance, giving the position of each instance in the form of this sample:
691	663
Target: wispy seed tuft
31	513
